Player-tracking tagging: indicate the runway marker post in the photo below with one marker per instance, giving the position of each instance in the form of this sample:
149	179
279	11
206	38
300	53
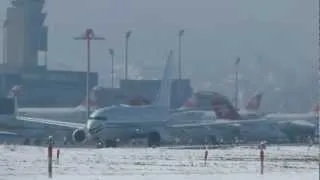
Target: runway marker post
205	157
261	158
58	155
50	144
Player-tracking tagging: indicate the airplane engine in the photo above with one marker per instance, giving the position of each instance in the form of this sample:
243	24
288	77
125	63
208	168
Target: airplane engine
79	136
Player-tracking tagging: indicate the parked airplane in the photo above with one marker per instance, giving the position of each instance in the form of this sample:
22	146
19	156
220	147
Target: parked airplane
68	114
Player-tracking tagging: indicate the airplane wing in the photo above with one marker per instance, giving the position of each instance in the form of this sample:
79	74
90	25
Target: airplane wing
221	122
126	124
238	123
300	123
8	133
49	122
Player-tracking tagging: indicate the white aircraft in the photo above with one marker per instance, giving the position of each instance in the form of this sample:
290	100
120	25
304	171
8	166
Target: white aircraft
68	114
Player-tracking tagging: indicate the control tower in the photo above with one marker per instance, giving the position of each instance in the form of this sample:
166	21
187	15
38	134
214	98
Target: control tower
25	34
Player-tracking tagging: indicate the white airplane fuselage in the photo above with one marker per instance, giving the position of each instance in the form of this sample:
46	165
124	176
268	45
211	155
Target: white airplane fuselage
125	122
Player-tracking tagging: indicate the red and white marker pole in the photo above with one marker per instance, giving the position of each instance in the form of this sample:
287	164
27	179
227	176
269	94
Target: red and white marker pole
205	157
58	155
261	160
50	144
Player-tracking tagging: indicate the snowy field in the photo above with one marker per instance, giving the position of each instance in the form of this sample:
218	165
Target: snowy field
282	162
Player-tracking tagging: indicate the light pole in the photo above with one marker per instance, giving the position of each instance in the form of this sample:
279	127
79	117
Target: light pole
128	34
4	38
111	52
318	91
236	83
88	36
181	33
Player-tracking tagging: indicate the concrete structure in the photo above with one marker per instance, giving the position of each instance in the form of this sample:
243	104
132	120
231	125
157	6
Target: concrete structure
47	88
24	37
24	33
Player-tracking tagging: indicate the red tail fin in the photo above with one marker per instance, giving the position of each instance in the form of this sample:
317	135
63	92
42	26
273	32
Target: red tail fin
316	108
223	108
190	103
15	91
254	102
213	101
92	101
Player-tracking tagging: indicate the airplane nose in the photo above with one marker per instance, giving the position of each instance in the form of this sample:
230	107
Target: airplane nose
93	127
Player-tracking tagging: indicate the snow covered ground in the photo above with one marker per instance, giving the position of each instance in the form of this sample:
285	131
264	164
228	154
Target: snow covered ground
26	162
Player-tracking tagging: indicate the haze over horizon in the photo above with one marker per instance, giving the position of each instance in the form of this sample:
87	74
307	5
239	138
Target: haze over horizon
271	37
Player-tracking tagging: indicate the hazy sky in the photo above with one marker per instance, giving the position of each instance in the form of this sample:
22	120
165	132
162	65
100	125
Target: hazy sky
216	31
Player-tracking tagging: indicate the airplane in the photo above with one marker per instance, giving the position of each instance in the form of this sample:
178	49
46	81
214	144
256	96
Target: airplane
68	114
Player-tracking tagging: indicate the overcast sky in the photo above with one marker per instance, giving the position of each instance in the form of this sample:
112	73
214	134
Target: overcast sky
216	31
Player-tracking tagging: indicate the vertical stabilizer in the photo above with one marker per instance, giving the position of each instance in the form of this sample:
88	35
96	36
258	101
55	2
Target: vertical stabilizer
254	102
165	87
14	93
223	107
92	101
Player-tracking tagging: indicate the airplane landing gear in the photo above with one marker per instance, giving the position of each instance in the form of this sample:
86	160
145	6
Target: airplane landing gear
99	144
26	141
37	142
110	143
154	139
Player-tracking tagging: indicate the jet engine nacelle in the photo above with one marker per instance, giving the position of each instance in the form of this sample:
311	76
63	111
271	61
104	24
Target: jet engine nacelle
79	136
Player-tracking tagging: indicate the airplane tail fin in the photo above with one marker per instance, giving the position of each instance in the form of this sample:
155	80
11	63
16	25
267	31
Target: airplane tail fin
254	102
190	103
163	99
316	108
14	93
92	101
223	107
